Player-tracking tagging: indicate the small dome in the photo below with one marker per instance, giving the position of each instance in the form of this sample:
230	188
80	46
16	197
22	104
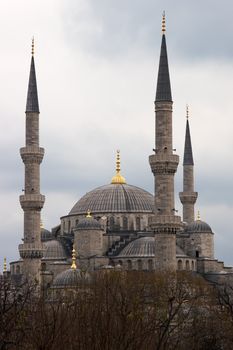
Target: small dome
88	223
46	235
198	226
68	278
143	247
54	250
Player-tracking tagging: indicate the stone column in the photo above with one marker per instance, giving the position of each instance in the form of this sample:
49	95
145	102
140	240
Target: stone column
31	251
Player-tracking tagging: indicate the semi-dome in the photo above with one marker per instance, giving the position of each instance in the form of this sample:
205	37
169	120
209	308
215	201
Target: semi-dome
68	278
198	226
88	223
54	250
143	247
118	198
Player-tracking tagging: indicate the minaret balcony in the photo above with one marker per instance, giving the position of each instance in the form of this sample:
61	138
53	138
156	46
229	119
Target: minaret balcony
32	154
188	197
165	223
32	201
31	250
163	163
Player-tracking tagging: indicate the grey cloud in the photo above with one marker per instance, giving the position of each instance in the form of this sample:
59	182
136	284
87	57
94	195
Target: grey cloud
109	28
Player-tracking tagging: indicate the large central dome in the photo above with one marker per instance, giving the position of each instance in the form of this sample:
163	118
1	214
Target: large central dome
118	198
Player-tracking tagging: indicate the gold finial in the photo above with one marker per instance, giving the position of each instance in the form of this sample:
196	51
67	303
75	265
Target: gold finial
4	266
198	215
187	111
73	266
41	224
33	46
163	23
118	179
88	214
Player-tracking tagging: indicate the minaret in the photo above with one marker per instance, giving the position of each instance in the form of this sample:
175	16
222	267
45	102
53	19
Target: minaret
31	251
164	164
188	197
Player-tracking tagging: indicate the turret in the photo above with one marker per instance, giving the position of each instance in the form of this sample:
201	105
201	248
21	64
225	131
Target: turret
164	164
188	197
31	251
88	240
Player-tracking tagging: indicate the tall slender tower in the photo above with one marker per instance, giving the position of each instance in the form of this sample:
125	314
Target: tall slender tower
188	197
164	164
31	251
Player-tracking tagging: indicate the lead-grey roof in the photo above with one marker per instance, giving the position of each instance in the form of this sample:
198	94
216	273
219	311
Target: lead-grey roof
143	247
163	91
68	278
54	250
198	226
32	96
88	223
114	198
188	153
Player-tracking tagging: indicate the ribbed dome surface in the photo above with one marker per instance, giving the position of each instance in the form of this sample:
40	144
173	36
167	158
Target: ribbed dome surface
68	278
54	250
114	198
198	226
143	247
89	223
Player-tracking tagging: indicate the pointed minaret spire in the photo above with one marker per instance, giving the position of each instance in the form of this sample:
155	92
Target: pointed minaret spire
32	105
164	223
163	92
32	201
188	197
188	153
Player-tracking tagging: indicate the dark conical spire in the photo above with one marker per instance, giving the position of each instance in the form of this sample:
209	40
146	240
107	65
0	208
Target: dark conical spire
32	97
188	153
163	92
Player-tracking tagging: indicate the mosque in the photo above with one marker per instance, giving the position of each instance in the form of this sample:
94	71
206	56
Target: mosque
116	225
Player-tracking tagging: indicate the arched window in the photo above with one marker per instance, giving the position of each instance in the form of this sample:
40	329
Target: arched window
125	223
111	222
17	269
138	224
76	222
129	264
150	264
193	266
180	265
120	262
187	265
197	253
139	264
43	266
69	226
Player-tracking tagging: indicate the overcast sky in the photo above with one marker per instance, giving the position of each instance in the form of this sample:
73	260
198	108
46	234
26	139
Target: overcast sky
96	64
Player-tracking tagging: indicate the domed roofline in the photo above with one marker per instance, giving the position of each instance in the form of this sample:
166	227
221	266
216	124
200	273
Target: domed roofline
198	226
114	198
